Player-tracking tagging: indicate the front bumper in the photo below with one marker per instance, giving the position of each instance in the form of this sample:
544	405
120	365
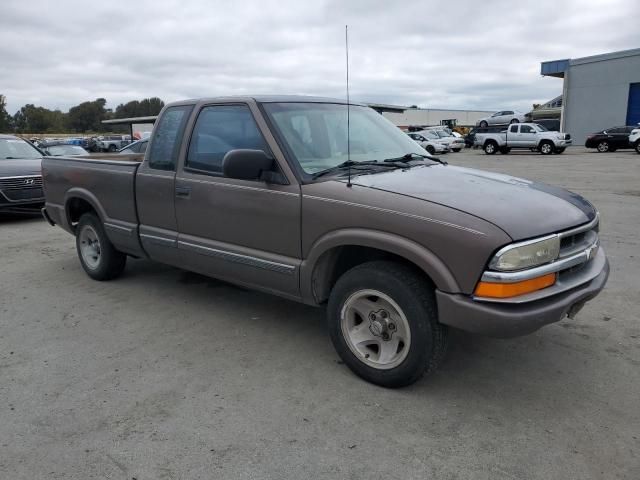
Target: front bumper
506	320
563	143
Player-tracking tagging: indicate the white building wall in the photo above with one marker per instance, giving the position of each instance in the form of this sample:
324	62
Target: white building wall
597	94
430	116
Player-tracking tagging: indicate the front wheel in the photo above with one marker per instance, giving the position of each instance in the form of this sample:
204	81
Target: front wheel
546	148
383	323
97	254
603	146
430	150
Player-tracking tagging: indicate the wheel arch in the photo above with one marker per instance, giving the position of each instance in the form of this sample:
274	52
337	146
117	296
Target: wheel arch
79	201
338	251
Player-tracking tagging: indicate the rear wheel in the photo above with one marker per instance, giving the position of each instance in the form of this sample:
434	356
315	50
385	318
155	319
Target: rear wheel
546	148
383	323
490	148
603	146
483	124
97	254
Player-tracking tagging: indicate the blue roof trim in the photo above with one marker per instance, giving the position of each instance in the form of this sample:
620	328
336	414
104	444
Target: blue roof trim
554	68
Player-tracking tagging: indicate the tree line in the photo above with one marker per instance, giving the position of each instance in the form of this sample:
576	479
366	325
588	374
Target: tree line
82	118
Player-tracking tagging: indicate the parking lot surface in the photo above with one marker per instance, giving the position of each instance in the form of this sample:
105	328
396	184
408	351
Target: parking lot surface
163	374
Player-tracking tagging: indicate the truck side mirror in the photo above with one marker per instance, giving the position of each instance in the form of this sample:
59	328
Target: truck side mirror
246	164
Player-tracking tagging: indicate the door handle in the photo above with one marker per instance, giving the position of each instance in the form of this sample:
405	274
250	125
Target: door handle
183	192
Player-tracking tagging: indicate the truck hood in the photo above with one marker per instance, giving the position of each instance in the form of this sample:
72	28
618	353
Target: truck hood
20	167
522	208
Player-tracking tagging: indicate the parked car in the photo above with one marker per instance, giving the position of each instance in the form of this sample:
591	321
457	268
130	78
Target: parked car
610	139
503	117
455	143
136	147
112	143
634	139
529	136
57	149
470	138
428	144
20	176
264	192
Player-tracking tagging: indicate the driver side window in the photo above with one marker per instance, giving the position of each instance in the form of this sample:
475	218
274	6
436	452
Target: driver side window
218	129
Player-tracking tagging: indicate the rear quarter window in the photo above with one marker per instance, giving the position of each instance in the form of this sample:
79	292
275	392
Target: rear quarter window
165	144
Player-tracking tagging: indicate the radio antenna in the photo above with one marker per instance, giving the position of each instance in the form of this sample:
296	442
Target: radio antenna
346	47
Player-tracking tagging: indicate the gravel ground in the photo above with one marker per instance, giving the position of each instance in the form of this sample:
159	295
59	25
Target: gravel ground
164	374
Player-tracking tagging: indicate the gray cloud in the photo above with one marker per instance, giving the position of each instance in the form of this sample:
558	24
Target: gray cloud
464	54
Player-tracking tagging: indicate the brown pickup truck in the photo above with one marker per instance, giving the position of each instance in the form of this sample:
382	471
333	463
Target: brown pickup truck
273	194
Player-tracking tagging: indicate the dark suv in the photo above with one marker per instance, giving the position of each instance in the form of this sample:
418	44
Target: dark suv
610	139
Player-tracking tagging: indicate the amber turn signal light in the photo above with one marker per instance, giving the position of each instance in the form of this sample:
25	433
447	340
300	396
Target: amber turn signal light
507	290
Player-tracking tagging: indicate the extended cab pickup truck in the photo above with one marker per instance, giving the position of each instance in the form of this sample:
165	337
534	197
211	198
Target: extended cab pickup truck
271	193
531	136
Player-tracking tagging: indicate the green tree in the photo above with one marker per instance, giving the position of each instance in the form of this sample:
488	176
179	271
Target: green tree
6	122
32	119
87	116
142	108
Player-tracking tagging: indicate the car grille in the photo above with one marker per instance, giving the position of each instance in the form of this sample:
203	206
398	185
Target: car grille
577	241
567	136
22	188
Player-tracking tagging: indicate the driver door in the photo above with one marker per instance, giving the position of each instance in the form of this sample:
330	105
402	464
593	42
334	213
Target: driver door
242	231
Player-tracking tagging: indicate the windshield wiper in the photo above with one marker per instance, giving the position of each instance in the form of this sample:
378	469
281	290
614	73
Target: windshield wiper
412	156
340	166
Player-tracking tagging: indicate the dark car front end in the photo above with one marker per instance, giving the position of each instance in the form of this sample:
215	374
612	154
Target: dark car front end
21	189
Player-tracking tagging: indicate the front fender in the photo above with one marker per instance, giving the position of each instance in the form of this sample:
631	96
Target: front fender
417	254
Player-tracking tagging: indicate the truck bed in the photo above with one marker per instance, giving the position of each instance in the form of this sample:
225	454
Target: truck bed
106	182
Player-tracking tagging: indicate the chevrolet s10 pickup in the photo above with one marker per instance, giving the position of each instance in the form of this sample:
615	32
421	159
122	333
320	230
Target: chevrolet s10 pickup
274	194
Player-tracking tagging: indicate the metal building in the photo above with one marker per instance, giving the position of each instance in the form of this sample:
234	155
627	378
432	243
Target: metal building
599	92
435	116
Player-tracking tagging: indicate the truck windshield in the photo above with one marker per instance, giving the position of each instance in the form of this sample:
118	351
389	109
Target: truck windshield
11	148
316	134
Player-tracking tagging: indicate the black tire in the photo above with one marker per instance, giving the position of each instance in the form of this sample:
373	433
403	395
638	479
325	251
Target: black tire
546	147
490	148
483	124
112	148
560	150
505	150
637	147
603	146
514	120
108	262
413	294
430	149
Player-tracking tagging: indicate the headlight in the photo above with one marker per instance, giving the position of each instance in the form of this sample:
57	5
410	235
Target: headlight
560	137
528	254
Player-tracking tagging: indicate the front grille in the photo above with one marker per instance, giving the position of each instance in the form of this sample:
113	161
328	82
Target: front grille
22	188
567	136
19	183
575	242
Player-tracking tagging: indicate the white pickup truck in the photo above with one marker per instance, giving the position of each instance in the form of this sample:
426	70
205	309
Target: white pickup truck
530	136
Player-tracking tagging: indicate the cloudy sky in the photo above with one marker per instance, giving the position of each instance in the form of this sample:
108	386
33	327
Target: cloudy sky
440	54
